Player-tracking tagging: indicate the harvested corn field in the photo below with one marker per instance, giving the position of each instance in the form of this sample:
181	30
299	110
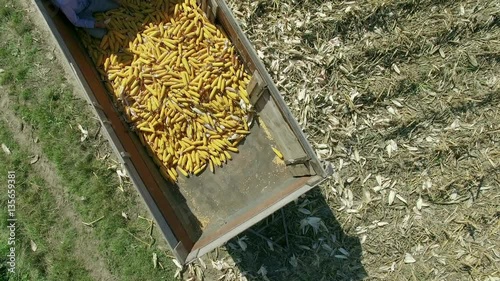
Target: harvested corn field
403	96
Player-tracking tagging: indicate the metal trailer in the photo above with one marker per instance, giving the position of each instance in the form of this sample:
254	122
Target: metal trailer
201	213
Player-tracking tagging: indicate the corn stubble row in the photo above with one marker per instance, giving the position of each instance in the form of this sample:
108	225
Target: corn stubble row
179	82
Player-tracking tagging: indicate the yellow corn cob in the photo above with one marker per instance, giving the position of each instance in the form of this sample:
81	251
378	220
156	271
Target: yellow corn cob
277	152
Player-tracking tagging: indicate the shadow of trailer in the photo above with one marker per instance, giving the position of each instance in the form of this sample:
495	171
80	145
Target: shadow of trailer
201	213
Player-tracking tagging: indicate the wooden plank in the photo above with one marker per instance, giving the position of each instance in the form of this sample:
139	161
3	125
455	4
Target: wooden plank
300	170
282	134
211	10
300	166
225	20
256	87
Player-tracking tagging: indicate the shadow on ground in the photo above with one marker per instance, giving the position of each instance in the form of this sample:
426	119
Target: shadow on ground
304	241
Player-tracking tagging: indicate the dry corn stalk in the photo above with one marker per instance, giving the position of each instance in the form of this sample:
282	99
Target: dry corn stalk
179	82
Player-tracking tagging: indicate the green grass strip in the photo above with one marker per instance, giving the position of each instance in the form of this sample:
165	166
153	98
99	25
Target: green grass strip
53	111
37	220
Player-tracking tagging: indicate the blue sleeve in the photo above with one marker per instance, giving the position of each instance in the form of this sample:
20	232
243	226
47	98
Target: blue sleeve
77	21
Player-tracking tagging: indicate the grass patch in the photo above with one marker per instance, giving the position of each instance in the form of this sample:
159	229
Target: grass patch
37	219
48	105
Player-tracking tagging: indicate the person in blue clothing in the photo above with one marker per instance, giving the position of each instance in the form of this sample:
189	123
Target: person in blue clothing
80	13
